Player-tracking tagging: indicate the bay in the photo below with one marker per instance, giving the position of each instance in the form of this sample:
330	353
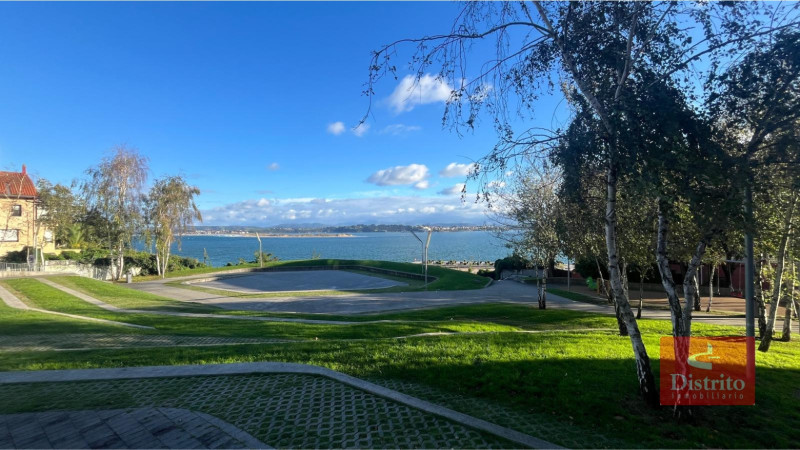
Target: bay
402	247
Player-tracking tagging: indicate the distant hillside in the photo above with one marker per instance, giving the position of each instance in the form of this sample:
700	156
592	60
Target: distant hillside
320	228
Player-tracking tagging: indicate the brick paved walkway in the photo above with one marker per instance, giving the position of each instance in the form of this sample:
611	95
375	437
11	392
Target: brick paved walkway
121	428
283	405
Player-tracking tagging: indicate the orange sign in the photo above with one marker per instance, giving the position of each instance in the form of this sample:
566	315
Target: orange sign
707	371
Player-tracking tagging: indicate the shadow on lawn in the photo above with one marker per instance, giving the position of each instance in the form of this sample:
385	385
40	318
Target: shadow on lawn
601	395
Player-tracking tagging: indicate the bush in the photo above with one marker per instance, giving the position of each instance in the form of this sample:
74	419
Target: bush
486	273
147	262
513	262
591	284
53	257
18	257
71	256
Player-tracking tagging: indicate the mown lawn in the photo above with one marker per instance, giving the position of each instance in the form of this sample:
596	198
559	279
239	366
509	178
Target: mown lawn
572	367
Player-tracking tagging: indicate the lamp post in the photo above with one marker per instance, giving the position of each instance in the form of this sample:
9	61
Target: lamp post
260	252
425	246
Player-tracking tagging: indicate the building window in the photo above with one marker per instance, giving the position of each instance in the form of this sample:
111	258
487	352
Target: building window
9	235
16	210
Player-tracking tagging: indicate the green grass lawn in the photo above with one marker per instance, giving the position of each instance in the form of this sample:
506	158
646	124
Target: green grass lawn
573	369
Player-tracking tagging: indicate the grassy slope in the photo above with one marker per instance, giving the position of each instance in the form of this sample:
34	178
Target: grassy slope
43	296
585	378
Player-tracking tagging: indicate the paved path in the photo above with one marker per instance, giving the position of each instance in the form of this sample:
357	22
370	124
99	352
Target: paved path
12	301
312	403
499	291
289	281
121	428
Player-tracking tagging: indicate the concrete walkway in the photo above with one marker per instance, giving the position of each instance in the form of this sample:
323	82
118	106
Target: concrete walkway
121	428
217	370
13	302
499	291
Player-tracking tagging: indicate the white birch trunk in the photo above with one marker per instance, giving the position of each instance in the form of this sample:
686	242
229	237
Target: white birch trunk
766	339
647	385
676	313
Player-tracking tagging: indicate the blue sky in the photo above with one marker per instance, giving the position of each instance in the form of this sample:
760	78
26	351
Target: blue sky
253	102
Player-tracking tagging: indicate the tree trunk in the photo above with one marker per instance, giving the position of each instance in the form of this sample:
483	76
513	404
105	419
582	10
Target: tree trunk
641	296
609	297
647	384
623	329
766	339
120	260
544	289
676	313
786	335
158	261
539	289
759	300
690	283
697	306
787	318
711	291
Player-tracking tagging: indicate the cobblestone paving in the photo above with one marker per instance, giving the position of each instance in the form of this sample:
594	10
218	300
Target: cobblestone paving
542	424
121	428
49	342
282	410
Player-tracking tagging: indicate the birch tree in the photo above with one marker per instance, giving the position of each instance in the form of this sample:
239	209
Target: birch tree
610	58
777	282
171	213
113	191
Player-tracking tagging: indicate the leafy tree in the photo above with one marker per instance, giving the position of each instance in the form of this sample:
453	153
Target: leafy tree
615	62
59	209
171	211
113	192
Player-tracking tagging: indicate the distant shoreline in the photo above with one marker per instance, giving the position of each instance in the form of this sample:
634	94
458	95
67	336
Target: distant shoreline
284	235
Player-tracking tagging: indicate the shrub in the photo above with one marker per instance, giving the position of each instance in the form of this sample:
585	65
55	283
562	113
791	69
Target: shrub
591	284
486	273
513	262
19	257
70	255
53	257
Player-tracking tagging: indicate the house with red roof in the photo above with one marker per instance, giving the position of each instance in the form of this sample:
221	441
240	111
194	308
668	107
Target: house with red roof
19	229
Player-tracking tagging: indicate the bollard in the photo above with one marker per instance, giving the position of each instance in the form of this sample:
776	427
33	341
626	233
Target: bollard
129	277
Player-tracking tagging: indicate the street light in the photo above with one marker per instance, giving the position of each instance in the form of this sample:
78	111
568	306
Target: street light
424	251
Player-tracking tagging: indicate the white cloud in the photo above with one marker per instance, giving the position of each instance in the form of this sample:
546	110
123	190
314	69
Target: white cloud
400	175
456	170
399	129
361	129
422	185
274	166
412	92
387	209
336	128
497	184
455	190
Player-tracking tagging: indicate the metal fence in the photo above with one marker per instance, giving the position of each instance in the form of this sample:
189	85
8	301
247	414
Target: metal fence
21	267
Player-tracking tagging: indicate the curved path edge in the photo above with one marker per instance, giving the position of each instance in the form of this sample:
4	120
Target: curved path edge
55	376
12	301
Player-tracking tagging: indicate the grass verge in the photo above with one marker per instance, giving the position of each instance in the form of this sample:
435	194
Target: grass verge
575	372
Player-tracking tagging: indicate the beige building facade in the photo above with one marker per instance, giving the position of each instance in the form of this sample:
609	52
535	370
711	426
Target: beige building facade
19	227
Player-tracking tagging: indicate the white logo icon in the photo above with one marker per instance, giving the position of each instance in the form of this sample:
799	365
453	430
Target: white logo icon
700	364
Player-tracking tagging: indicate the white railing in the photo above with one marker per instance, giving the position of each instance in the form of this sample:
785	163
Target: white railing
21	267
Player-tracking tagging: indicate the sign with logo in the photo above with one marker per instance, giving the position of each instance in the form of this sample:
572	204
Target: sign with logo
707	371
